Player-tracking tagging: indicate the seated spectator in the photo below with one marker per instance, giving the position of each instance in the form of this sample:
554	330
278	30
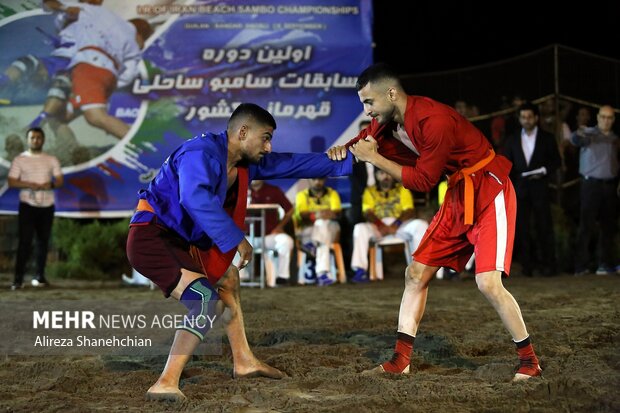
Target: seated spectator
448	273
317	210
388	209
137	280
276	240
361	177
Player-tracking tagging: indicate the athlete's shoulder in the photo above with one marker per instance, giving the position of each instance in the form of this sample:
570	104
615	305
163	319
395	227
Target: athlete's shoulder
213	142
426	107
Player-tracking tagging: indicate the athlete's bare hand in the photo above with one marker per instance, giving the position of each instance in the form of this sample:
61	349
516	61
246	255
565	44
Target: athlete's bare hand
245	253
365	149
337	153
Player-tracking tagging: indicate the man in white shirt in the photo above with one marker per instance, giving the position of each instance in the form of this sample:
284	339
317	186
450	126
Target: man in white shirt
36	174
535	158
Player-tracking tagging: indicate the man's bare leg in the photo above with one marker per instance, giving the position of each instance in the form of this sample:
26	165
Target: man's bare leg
99	118
413	303
490	285
167	386
245	364
412	306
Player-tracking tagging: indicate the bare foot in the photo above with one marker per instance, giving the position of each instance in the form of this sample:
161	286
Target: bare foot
257	369
165	393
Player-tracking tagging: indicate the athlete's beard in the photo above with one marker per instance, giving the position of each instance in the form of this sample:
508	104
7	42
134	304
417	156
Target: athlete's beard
385	117
253	159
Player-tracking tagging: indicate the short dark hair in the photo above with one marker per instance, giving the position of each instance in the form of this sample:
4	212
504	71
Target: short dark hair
375	73
35	129
253	111
528	106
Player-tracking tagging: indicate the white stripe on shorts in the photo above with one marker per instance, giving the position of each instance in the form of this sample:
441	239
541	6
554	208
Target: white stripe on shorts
501	224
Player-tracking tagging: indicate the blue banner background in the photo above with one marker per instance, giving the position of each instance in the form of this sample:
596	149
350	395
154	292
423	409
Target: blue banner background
299	61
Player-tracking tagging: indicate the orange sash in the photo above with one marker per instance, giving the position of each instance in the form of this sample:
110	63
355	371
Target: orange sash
143	205
465	175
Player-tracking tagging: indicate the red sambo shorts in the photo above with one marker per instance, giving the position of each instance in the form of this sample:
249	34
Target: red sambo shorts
92	86
448	242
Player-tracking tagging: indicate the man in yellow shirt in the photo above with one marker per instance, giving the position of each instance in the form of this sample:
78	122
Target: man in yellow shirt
388	209
316	212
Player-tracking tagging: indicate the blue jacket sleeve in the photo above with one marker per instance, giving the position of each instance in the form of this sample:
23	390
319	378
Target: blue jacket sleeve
199	178
299	165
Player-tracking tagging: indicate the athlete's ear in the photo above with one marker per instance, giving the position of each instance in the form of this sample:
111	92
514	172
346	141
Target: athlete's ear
392	93
243	132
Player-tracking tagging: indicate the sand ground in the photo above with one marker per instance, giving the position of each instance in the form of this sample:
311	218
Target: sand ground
324	337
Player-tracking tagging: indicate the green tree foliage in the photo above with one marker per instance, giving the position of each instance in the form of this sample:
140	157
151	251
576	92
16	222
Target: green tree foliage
94	250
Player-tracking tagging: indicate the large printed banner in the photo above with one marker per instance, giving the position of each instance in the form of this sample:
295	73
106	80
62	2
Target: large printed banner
123	84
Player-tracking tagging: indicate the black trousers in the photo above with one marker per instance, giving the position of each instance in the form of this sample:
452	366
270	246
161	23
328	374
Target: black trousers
534	212
31	221
598	203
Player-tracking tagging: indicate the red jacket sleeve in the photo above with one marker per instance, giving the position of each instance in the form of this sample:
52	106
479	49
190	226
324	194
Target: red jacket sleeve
361	135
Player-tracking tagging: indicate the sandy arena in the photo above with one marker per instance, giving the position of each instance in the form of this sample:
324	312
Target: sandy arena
324	337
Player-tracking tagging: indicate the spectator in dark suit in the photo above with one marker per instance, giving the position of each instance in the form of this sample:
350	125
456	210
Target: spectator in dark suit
535	158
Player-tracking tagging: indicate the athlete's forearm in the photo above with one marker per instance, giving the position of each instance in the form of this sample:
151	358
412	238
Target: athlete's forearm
391	167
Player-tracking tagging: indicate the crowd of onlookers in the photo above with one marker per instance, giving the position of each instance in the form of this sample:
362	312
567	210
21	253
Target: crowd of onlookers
578	150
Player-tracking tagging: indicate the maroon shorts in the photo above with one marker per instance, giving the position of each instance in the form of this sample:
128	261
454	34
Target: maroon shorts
159	254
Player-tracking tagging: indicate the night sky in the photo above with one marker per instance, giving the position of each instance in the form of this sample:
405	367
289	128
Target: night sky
470	33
